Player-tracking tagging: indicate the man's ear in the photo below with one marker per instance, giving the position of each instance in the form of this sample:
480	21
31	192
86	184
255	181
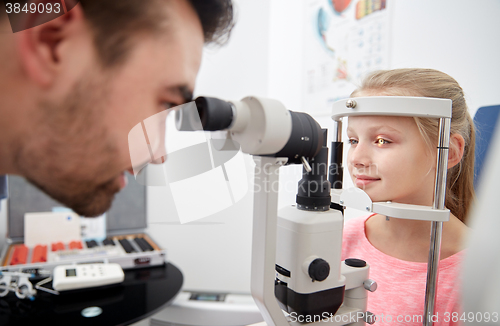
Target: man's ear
39	48
456	151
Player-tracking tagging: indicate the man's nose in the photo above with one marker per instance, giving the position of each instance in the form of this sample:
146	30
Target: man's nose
155	131
147	142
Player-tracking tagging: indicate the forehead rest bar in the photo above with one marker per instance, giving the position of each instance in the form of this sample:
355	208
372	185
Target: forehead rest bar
406	106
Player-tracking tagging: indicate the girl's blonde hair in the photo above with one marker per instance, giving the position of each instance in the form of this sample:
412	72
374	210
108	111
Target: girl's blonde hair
433	83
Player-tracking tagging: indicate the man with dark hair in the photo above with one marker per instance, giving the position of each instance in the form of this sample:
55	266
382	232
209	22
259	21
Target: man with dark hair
72	88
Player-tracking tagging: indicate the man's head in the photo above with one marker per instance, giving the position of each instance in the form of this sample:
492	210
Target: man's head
113	22
82	81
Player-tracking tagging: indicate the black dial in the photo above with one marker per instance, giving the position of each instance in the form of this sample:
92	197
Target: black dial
319	269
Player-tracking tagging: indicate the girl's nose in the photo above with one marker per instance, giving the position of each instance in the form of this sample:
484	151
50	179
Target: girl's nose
359	155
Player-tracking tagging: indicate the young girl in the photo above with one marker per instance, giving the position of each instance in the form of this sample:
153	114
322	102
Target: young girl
394	159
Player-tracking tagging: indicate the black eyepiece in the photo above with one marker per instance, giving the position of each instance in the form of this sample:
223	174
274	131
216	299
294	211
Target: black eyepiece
214	114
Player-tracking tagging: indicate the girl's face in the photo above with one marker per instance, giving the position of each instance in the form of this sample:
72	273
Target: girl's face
389	159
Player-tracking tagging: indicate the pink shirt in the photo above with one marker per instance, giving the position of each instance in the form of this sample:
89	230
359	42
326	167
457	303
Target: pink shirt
400	296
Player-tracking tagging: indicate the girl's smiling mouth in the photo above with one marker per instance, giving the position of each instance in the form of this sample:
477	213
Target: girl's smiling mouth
363	180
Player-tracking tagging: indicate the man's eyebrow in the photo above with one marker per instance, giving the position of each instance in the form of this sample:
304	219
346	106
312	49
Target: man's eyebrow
182	91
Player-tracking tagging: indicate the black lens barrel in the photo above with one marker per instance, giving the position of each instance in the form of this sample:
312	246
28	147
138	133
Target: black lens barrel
305	141
314	188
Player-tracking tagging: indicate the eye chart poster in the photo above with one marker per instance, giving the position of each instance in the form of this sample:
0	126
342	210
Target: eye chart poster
343	41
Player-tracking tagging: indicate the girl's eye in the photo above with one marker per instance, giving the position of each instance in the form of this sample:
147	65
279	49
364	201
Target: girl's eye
352	141
382	141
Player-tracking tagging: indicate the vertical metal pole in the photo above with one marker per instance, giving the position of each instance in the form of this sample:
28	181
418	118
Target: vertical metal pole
437	227
265	225
337	130
336	170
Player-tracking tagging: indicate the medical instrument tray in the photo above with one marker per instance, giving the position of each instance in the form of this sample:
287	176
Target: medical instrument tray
126	243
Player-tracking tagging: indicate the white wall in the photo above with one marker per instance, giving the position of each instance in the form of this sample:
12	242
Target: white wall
458	37
264	58
286	52
214	253
3	222
239	68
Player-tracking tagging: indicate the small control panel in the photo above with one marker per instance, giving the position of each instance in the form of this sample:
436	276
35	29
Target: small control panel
71	277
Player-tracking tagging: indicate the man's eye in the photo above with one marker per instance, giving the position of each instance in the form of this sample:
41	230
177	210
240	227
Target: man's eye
382	141
352	141
168	105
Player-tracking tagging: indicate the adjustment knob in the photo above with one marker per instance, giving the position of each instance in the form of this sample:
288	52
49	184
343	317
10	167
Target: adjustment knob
370	285
353	262
319	269
369	318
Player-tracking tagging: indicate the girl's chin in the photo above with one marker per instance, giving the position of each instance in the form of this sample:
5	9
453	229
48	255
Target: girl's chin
374	195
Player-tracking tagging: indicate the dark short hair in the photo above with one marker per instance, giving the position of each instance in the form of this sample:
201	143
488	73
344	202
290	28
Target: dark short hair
114	22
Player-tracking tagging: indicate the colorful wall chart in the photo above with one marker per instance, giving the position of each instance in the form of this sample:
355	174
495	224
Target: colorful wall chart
344	40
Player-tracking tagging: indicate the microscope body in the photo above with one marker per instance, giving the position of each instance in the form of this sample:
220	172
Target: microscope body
296	251
312	283
308	276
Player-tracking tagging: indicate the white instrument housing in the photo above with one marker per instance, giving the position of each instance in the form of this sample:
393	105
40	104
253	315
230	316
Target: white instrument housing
261	126
322	231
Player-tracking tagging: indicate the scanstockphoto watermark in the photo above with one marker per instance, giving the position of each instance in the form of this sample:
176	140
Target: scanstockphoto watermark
25	14
445	317
316	168
321	171
333	169
263	177
309	188
327	317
